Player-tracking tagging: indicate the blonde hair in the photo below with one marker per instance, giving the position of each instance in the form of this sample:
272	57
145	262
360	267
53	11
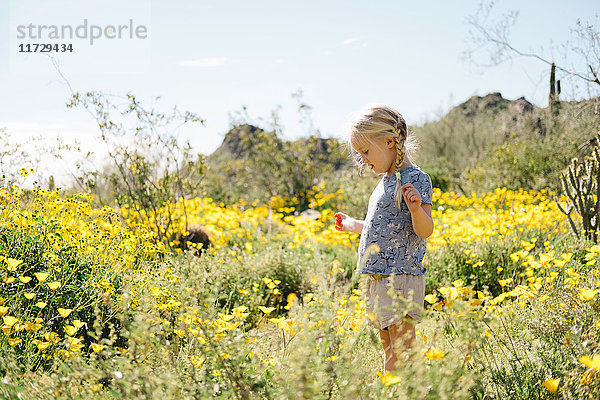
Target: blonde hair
375	123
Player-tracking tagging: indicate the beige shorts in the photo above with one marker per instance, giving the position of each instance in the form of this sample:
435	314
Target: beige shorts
389	298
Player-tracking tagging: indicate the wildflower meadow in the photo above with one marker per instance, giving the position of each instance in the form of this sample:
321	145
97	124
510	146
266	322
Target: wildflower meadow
94	306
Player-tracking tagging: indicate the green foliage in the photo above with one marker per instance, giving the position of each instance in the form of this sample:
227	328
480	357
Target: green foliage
490	142
265	279
522	162
78	287
254	164
441	177
149	167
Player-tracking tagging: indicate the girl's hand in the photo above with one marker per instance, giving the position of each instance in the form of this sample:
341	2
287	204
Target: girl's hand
411	196
344	223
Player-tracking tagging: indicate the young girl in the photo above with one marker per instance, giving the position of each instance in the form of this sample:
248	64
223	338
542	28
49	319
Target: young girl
398	222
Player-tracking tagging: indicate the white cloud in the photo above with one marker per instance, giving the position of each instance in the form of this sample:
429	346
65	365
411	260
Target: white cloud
204	62
351	40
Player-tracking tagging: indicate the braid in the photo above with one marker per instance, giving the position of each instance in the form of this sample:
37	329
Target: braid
400	137
378	122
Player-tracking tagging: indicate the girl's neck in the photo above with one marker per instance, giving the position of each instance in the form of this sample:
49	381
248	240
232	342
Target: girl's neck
405	164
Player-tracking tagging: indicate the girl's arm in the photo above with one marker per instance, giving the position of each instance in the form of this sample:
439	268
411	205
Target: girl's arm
346	223
358	226
422	221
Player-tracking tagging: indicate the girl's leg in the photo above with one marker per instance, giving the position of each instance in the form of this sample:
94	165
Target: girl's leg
402	337
402	334
390	356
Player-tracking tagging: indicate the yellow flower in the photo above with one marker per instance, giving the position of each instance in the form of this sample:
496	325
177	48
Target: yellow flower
567	256
78	324
74	343
3	311
71	330
266	310
239	313
226	317
388	379
54	285
458	283
30	326
24	279
13	264
551	384
431	298
282	323
179	332
434	354
64	312
41	345
14	341
52	337
10	320
9	279
40	304
504	282
97	348
41	276
593	362
196	361
29	296
587	294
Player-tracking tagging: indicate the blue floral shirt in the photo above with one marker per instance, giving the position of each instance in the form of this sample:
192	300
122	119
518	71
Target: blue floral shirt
401	250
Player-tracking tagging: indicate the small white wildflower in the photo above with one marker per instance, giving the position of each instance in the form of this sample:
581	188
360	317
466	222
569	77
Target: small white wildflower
118	374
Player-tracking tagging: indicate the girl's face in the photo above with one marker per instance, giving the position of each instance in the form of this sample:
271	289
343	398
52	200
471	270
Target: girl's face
381	157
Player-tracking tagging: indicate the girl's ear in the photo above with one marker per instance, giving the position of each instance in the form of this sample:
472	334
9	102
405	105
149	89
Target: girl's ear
390	142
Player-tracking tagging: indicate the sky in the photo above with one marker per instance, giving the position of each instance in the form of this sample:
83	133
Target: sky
215	57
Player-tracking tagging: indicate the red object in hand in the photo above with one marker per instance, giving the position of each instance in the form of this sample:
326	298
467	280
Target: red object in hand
338	221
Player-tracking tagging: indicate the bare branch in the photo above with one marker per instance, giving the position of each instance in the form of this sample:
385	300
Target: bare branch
493	35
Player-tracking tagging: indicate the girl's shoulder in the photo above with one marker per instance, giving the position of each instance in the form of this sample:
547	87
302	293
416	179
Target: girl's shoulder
409	173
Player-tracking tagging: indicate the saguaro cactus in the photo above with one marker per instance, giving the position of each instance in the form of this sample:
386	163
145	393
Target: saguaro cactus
554	97
553	100
581	184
